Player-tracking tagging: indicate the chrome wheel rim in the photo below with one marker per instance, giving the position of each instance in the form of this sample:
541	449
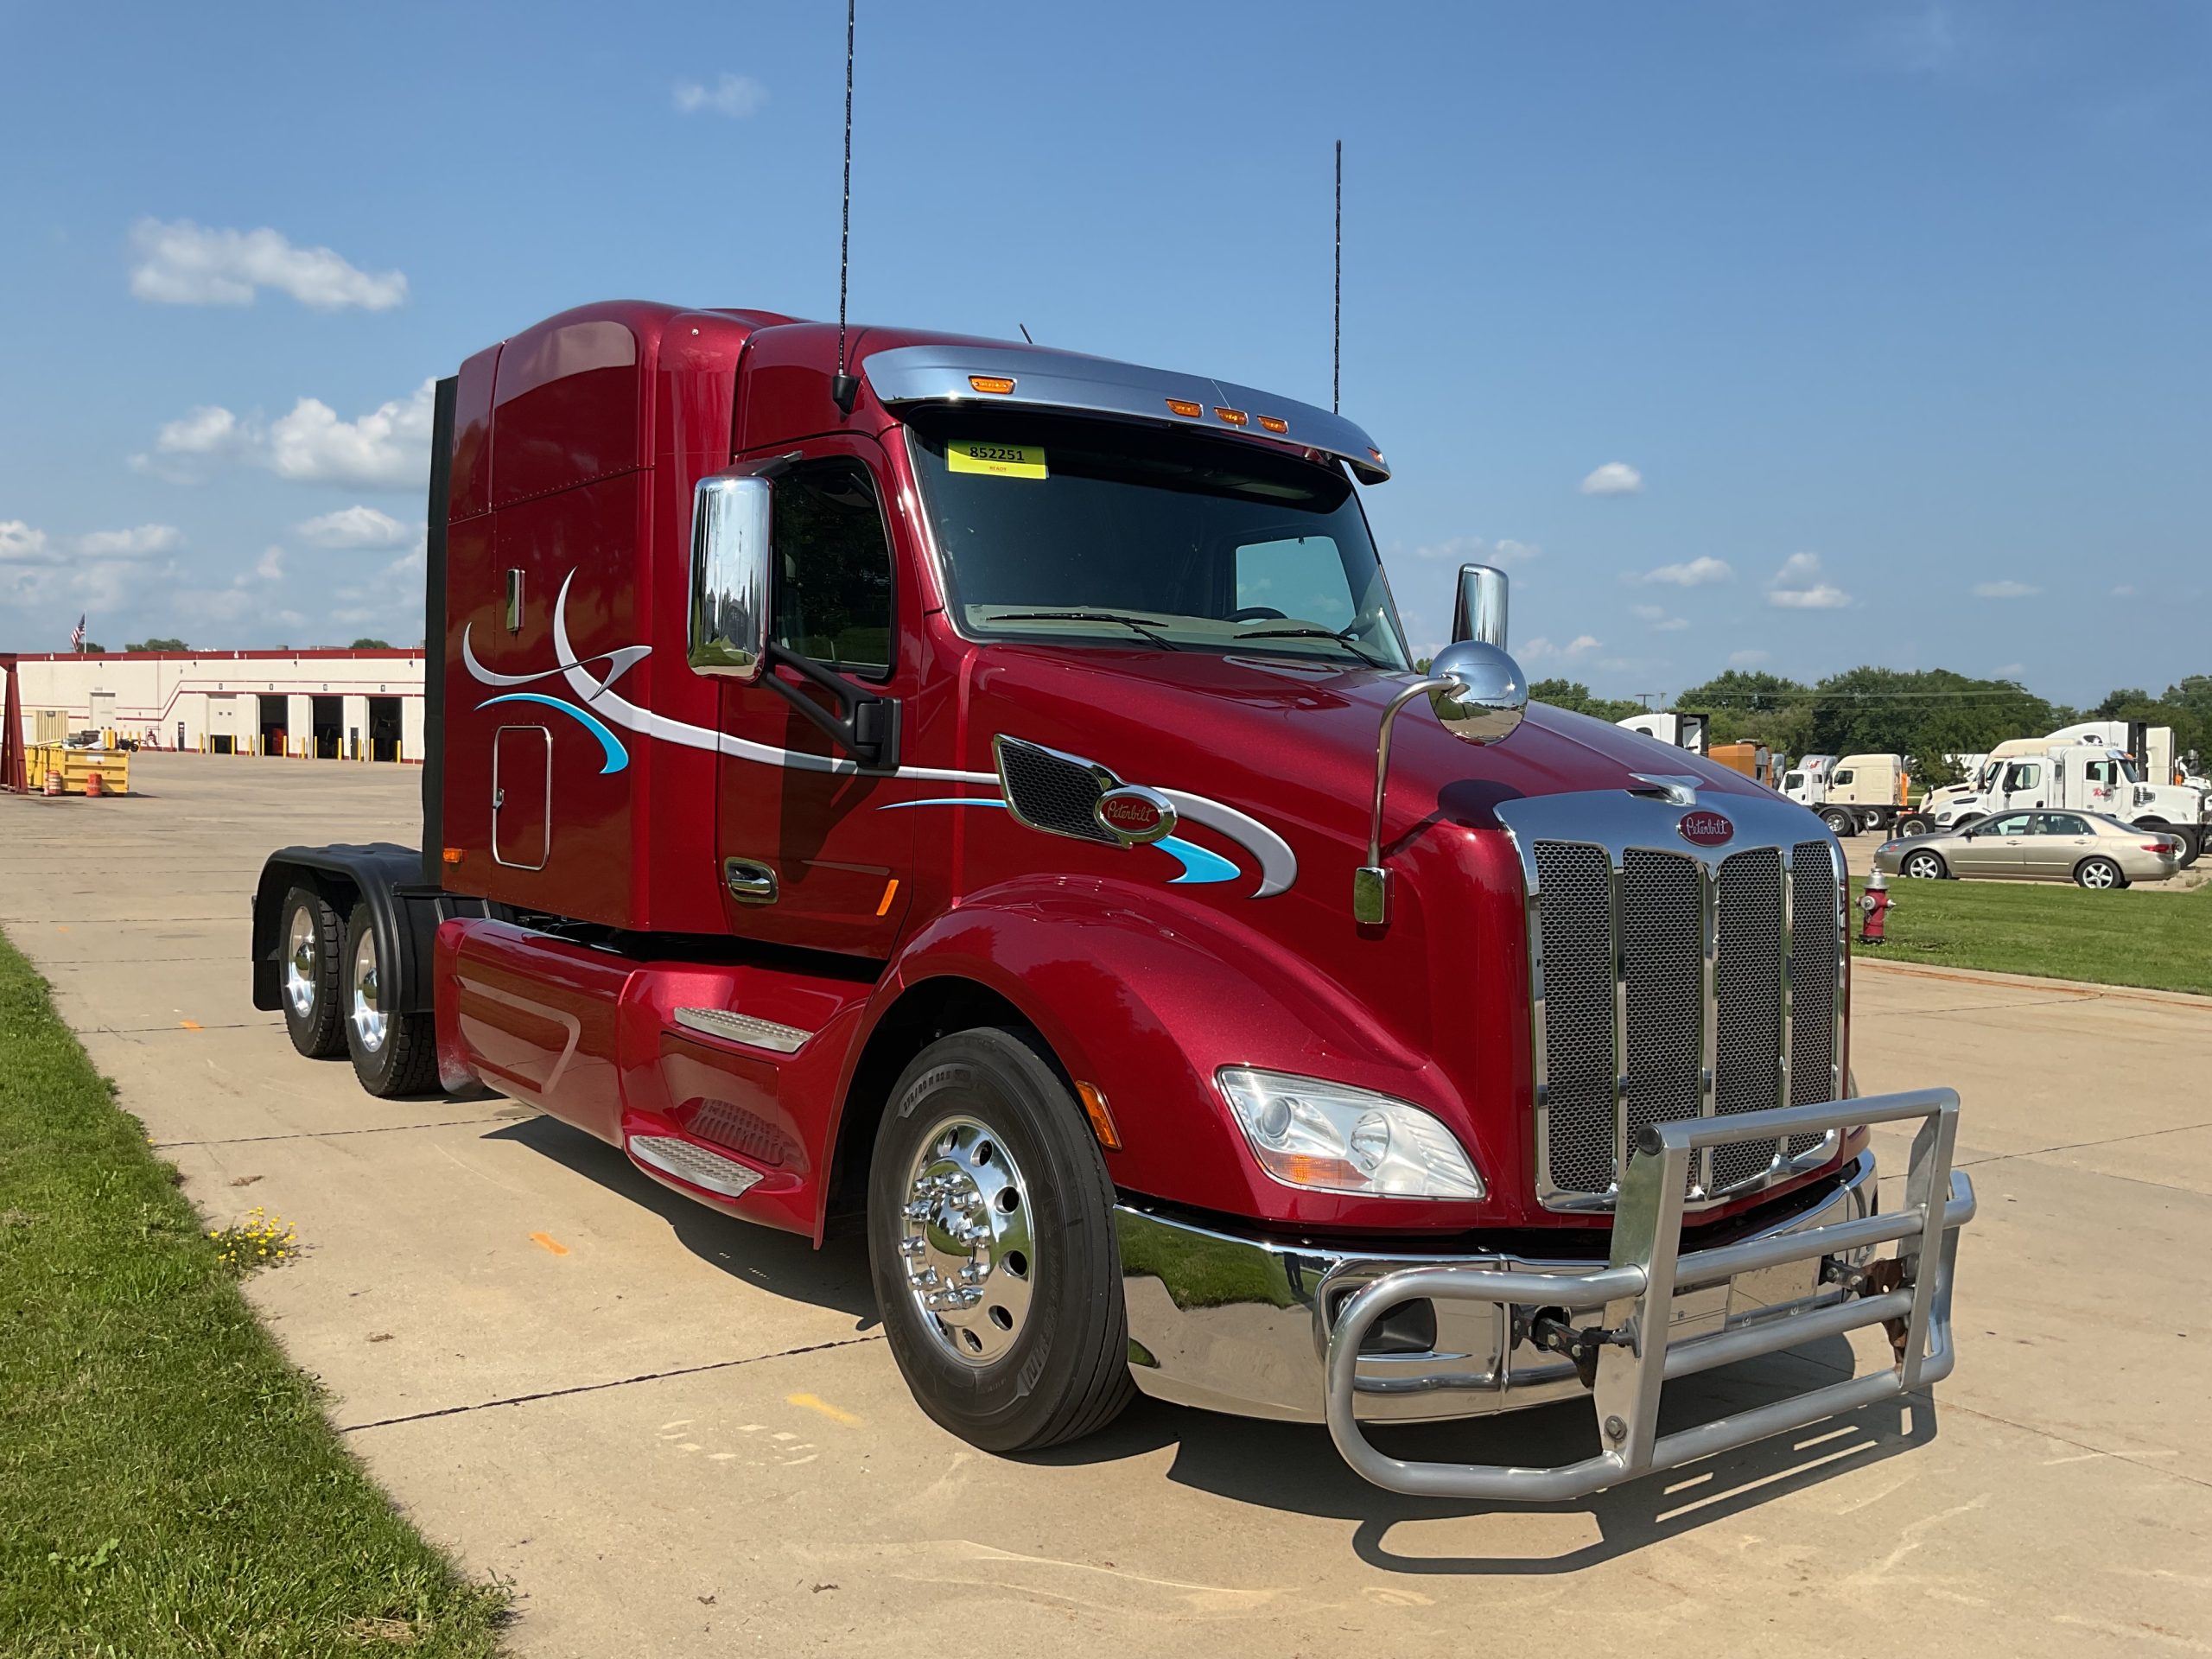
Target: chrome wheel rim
964	1241
368	1014
302	961
1922	868
2097	875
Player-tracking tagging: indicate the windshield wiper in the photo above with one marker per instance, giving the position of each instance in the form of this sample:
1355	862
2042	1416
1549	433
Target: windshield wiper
1136	623
1336	634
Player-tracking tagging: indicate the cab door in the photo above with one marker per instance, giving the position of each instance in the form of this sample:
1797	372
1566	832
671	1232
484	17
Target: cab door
810	856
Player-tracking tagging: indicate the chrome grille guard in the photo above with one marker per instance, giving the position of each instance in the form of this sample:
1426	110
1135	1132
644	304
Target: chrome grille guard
1637	1292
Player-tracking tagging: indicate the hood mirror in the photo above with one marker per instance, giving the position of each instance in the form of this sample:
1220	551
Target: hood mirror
1477	691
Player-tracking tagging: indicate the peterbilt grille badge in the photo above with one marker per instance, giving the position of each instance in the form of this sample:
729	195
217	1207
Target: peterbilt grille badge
1706	829
1136	815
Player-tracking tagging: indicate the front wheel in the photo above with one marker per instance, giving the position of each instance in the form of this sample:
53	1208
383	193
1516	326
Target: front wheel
394	1053
1924	866
1912	824
2099	874
1840	823
991	1242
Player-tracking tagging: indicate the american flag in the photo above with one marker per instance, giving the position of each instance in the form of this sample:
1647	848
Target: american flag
77	638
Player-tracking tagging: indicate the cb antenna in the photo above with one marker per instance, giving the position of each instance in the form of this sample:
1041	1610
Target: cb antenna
1337	340
845	388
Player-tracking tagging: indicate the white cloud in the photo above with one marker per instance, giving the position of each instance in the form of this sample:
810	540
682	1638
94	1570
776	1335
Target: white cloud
1541	649
1474	549
271	565
1746	658
2005	589
2126	590
21	544
184	264
354	527
141	542
1798	587
1614	478
1660	621
1694	573
388	448
735	96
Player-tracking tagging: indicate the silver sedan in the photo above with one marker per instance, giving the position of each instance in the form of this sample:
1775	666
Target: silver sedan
2085	847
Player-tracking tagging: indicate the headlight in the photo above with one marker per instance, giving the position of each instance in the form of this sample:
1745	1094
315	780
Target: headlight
1338	1139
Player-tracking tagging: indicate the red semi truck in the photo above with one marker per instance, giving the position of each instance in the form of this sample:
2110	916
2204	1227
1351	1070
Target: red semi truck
986	791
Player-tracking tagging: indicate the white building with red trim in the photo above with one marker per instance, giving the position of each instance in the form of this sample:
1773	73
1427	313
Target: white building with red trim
317	704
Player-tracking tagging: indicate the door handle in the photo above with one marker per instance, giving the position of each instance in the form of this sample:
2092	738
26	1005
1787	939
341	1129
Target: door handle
750	882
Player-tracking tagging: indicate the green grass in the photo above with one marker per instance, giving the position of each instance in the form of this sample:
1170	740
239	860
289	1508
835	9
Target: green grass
167	1483
2136	936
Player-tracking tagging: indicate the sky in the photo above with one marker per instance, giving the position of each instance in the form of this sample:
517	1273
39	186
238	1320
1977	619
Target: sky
1788	336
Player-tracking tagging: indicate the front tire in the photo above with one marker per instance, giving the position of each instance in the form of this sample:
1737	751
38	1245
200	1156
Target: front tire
1912	824
394	1053
313	942
2100	875
1925	864
1840	823
992	1246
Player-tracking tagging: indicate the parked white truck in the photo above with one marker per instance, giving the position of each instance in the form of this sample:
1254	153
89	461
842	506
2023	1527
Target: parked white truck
1853	792
2087	776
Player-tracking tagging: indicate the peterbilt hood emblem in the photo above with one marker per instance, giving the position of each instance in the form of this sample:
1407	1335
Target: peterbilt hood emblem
1136	815
1706	830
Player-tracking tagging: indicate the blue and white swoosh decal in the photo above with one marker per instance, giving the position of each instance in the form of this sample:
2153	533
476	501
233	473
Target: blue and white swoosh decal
1200	865
1278	865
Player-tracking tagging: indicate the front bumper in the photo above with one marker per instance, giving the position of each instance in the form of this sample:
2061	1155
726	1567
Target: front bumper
1272	1330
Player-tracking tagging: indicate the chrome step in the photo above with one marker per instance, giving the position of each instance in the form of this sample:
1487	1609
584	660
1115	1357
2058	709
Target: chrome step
734	1027
695	1164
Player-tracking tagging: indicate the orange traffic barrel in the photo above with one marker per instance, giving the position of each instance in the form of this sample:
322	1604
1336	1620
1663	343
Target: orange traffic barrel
94	784
53	783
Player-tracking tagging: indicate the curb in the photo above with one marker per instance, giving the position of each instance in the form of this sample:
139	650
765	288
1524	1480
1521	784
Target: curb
2031	982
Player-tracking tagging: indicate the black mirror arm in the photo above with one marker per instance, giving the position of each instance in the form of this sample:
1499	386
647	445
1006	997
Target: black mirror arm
865	724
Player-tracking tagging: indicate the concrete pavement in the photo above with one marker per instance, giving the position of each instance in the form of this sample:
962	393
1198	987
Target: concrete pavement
679	1434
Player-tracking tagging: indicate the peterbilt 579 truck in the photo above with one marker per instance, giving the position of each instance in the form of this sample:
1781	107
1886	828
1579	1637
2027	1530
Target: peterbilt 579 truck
986	792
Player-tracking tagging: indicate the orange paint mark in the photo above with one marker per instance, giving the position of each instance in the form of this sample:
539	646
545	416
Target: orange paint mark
188	1025
547	1242
62	927
889	888
815	1402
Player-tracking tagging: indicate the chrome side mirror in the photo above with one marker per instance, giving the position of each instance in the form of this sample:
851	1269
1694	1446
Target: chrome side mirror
730	553
1478	611
1477	691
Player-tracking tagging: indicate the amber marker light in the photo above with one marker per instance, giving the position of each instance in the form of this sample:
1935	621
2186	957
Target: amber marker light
454	854
1102	1121
1274	424
1186	408
1000	384
1231	417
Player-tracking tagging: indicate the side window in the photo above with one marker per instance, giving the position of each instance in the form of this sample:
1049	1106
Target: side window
2024	774
833	569
2015	824
2104	772
1300	578
1841	777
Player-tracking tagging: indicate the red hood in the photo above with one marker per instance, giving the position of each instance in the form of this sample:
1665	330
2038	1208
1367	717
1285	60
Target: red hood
1281	738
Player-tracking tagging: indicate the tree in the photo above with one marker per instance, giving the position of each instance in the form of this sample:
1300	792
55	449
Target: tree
1753	707
2186	706
158	644
1573	696
370	645
1924	715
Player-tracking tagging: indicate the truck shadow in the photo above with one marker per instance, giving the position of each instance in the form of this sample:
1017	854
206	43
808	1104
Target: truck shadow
1293	1466
783	1264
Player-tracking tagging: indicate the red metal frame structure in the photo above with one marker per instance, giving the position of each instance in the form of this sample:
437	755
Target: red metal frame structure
12	756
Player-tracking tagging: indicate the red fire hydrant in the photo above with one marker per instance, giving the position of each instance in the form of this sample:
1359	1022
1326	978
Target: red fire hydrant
1875	903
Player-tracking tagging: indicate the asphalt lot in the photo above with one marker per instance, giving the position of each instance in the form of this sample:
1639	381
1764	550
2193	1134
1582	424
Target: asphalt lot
679	1434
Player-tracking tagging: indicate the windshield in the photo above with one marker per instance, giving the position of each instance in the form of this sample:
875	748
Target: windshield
1058	529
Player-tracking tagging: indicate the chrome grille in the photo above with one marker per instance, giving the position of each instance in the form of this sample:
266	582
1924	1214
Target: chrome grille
1671	986
1747	968
1815	952
1576	909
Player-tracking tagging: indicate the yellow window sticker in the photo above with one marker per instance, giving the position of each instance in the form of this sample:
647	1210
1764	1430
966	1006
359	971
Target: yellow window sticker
995	460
